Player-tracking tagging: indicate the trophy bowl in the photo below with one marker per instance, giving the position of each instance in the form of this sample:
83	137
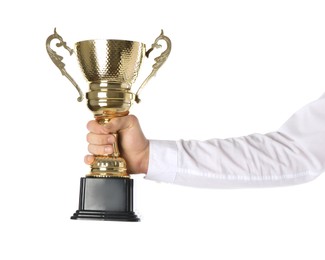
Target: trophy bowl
110	60
110	67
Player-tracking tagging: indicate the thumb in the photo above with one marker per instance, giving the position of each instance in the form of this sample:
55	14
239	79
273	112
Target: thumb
118	124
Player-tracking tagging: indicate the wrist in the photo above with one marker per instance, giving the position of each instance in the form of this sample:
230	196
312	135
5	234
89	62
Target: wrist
145	159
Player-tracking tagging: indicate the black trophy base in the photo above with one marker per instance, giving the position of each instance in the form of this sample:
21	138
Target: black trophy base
106	199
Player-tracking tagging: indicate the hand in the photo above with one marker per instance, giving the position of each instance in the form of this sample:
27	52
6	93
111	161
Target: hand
133	145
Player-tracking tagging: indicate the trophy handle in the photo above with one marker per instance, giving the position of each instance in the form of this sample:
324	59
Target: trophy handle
57	60
160	60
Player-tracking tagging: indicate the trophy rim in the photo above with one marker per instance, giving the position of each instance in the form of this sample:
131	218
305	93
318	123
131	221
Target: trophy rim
109	40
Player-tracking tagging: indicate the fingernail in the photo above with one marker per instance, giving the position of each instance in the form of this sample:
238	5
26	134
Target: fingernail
111	139
108	149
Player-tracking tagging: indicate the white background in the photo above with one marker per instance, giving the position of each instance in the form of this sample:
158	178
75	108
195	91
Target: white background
236	68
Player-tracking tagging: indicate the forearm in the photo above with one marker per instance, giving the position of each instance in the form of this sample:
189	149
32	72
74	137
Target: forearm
252	161
292	155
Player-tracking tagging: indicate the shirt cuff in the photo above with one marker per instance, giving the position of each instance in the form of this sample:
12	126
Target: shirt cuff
162	161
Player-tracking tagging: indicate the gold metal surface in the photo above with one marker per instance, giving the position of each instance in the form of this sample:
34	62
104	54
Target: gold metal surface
113	61
111	67
159	60
57	60
108	166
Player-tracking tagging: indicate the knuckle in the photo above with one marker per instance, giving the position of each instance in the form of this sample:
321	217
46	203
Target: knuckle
133	119
112	123
90	125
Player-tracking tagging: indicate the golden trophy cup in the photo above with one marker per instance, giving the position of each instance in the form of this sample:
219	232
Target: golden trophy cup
110	67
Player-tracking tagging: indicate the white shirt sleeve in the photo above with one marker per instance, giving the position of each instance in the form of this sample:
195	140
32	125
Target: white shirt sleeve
294	154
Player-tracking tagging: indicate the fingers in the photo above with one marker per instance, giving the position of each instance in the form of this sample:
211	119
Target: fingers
121	123
101	138
89	159
94	127
98	139
114	125
100	149
100	144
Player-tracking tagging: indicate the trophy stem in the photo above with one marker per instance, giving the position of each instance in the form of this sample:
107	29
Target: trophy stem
109	165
